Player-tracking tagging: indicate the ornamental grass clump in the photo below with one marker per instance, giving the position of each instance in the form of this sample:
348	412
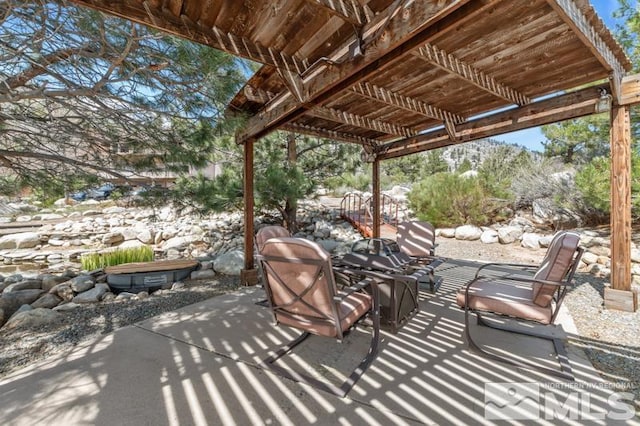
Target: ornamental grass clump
93	261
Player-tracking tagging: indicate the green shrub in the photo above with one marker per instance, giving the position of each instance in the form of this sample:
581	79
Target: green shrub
446	199
93	261
594	184
340	185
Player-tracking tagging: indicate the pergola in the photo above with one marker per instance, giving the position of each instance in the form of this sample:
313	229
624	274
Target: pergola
404	76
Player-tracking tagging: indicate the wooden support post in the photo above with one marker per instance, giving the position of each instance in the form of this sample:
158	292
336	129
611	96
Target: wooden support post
376	197
619	295
249	274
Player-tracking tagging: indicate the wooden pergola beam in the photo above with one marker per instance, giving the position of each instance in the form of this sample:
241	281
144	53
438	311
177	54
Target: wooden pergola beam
406	103
619	295
402	33
452	64
577	21
330	134
170	19
350	119
571	105
349	10
630	90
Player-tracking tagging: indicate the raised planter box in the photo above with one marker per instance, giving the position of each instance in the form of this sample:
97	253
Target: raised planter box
148	276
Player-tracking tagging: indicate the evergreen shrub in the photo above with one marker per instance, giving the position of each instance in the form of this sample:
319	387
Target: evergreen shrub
446	199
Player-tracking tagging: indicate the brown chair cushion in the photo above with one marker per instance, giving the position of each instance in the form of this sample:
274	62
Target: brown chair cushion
416	238
350	310
513	300
268	232
554	266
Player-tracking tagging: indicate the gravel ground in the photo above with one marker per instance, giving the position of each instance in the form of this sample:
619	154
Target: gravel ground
21	347
610	338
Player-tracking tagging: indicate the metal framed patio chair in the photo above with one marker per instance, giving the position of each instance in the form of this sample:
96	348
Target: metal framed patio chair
417	239
534	298
267	232
301	288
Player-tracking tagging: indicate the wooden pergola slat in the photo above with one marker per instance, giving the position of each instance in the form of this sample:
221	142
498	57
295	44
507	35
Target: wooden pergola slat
450	63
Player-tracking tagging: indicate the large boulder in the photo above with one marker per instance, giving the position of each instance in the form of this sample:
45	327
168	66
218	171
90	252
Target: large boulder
50	280
111	238
230	263
468	233
530	240
146	236
178	243
490	236
446	232
22	240
23	285
82	283
10	302
509	234
33	319
47	301
93	295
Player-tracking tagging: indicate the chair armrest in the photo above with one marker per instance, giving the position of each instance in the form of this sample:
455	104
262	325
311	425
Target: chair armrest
516	280
359	286
505	265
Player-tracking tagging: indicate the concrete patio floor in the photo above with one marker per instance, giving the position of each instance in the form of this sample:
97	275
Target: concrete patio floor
199	365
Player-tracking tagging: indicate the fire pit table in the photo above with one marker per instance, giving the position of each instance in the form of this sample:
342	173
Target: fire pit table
401	275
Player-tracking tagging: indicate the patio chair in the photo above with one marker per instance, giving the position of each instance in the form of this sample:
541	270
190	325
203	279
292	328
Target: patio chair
268	232
302	293
417	239
534	299
262	236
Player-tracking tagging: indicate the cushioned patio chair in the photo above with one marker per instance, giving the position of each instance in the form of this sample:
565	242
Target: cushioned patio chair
268	232
301	288
534	298
417	239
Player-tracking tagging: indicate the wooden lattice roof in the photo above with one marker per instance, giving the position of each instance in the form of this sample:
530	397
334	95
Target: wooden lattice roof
401	76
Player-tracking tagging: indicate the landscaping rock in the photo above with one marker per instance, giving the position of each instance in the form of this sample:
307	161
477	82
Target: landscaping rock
23	240
47	301
93	295
509	234
10	302
66	307
589	258
32	319
328	245
112	238
49	281
530	240
230	263
23	285
203	274
490	236
446	232
177	243
545	241
82	283
145	237
468	233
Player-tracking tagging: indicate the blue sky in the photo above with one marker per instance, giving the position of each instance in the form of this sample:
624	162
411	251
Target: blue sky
532	138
